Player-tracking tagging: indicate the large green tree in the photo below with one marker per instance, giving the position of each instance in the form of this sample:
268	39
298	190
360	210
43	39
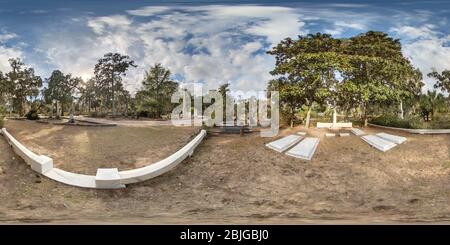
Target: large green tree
157	89
108	72
308	71
23	83
379	72
61	88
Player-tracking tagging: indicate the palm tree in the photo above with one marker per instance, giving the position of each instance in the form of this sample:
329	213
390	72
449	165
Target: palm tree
430	103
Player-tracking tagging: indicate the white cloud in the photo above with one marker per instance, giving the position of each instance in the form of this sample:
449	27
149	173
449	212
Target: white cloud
147	11
7	52
99	24
218	44
426	48
414	32
427	54
227	43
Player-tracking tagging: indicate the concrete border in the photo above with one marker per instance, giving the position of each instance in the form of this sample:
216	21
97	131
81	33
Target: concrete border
109	178
334	125
414	131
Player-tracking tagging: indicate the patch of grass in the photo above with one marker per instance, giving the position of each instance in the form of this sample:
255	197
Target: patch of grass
446	164
395	121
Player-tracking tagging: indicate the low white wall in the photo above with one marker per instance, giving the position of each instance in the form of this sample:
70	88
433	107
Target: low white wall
415	131
109	178
337	125
153	170
40	164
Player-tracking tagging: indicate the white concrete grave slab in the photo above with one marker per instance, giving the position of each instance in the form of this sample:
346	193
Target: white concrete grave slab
305	149
330	134
108	178
379	143
344	134
357	131
393	138
301	133
284	143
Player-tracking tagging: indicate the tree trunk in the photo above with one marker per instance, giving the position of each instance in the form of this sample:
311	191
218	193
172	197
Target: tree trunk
334	116
308	116
113	99
401	114
366	121
126	107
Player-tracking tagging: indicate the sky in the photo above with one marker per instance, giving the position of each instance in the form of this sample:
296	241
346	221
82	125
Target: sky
212	42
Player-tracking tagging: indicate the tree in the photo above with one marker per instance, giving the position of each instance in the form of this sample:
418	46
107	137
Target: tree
157	89
61	88
308	68
3	97
89	94
108	72
443	80
23	84
291	97
430	103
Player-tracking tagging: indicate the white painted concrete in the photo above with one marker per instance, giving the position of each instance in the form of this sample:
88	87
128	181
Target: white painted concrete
105	178
284	143
379	143
73	179
40	164
330	134
357	131
153	170
344	134
301	133
305	149
336	125
108	178
393	138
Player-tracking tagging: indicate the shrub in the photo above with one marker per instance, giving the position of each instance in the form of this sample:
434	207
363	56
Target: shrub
440	124
394	121
32	114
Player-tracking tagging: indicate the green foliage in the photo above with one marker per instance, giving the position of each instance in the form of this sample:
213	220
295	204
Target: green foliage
61	88
32	114
365	70
108	75
443	80
21	83
394	121
429	103
154	98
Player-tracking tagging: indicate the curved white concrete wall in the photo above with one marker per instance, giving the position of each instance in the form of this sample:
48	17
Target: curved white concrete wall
109	178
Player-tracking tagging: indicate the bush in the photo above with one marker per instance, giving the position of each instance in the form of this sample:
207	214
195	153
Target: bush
32	114
440	124
394	121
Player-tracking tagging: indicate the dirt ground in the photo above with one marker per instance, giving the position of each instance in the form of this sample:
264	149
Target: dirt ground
231	179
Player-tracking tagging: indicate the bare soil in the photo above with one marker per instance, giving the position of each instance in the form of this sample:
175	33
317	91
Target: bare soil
230	179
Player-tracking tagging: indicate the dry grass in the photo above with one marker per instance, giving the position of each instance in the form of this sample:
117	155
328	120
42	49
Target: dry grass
238	180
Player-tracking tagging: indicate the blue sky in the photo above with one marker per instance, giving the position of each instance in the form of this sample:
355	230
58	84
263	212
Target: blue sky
207	41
